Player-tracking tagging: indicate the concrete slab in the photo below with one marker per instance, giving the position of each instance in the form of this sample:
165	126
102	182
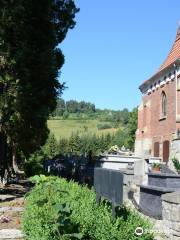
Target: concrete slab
10	234
11	209
6	197
172	197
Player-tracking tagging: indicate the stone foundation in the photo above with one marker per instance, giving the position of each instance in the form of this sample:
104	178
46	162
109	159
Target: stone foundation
171	214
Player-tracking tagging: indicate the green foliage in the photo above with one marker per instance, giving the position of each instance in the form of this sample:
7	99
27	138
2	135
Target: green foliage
74	144
73	106
73	109
60	108
88	145
122	116
57	201
114	149
51	148
132	127
121	137
64	128
176	163
101	126
65	115
34	164
37	179
156	165
54	220
106	121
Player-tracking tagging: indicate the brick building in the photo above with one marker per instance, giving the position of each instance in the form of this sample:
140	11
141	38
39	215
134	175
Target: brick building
159	111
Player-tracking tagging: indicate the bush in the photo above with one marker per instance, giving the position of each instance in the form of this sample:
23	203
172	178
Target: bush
35	163
176	163
101	126
57	209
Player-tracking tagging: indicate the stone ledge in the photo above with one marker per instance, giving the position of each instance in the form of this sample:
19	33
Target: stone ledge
173	197
6	197
164	175
10	234
158	189
11	209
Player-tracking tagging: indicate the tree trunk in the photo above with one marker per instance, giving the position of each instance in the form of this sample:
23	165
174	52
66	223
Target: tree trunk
3	160
14	161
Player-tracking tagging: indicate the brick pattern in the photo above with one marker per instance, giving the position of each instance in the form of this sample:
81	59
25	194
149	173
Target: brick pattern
151	125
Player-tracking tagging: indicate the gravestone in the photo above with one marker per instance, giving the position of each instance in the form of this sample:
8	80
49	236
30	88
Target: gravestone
150	195
109	185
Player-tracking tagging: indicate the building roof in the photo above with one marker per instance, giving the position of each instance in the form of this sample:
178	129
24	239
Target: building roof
172	57
174	53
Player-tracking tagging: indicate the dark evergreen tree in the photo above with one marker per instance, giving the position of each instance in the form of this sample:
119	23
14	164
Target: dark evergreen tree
30	60
51	148
75	144
63	146
132	127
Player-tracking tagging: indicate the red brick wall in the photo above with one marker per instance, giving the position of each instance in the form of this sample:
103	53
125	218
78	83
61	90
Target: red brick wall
149	123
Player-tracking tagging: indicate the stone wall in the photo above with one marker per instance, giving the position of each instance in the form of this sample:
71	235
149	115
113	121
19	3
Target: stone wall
175	148
171	214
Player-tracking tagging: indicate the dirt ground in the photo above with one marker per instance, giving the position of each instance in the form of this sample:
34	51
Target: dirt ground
12	196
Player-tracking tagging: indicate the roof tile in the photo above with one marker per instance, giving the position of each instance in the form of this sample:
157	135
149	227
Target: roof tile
174	53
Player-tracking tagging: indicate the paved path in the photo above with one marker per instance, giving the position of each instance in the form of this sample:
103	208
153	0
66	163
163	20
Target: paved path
11	209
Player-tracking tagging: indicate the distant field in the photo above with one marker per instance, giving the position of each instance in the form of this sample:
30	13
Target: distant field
64	128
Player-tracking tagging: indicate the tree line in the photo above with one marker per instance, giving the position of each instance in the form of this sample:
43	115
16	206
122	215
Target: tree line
73	106
73	109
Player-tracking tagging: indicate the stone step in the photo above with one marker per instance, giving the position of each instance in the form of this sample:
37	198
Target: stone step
11	209
6	197
10	234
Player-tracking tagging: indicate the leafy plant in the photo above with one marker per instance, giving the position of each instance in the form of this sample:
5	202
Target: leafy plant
114	149
57	209
53	220
156	165
176	163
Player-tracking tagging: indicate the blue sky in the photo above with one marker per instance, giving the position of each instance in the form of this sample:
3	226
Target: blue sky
115	46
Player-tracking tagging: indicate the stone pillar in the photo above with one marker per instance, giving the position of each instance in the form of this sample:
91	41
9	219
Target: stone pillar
140	172
171	214
174	152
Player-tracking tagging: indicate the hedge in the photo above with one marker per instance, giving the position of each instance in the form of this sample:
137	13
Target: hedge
58	209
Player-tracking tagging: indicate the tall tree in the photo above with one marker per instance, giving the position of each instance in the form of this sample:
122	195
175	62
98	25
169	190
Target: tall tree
30	61
60	108
132	127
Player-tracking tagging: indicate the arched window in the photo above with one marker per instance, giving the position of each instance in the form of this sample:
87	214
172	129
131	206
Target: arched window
164	104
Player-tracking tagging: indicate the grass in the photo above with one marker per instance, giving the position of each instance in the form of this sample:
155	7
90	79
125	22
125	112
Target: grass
64	128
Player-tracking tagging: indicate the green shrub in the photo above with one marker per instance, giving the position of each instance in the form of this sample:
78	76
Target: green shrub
35	163
101	126
87	219
176	163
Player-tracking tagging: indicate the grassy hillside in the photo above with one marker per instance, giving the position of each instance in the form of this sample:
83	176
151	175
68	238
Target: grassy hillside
64	128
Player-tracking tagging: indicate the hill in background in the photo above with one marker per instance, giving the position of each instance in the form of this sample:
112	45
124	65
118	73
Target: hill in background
83	118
